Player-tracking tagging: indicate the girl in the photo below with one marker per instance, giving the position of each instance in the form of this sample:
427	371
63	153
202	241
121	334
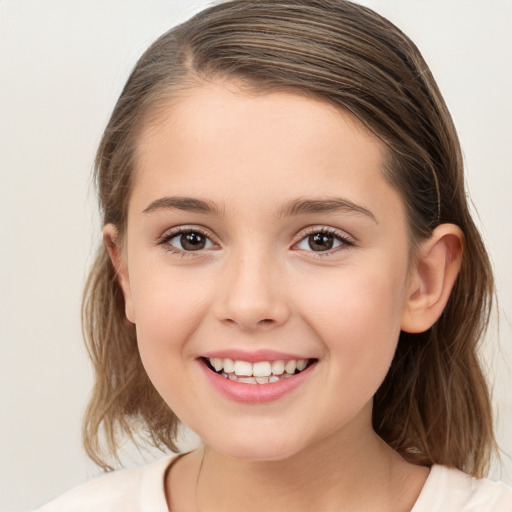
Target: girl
290	269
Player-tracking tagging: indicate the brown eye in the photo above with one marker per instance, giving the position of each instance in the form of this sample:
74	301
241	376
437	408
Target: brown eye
189	241
193	241
321	241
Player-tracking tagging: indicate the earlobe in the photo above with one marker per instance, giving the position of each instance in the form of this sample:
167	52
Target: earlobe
118	259
432	278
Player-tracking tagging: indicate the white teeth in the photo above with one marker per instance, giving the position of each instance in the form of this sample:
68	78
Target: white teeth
291	366
247	380
301	364
262	369
277	367
216	363
243	368
261	372
229	366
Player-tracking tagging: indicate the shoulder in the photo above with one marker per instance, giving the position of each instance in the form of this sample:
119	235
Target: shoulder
451	490
131	490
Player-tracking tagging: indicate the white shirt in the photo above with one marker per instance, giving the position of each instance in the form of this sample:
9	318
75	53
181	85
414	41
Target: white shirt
142	490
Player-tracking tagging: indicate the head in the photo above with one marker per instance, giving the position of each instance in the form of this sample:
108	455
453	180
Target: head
433	404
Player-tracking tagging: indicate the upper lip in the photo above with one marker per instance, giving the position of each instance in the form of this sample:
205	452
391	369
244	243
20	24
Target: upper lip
253	356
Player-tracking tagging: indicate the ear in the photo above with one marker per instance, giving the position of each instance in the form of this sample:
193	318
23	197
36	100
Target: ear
119	261
433	275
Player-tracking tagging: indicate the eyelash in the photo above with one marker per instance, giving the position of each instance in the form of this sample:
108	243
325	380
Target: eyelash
345	241
167	237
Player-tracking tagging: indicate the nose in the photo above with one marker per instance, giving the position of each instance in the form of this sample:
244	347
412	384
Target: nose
251	294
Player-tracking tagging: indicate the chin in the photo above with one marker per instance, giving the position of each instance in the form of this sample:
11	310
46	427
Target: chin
263	449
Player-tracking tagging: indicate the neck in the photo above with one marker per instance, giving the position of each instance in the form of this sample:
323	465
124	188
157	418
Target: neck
343	472
311	480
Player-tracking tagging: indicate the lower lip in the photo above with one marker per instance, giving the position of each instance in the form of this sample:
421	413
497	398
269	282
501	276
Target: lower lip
255	393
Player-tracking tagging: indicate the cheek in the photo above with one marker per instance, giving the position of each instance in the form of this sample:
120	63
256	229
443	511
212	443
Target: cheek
169	307
166	298
357	316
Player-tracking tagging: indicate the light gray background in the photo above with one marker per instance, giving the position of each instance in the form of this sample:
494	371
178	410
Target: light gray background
62	66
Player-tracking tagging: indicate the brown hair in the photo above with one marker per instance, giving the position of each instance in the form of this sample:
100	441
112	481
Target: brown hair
434	405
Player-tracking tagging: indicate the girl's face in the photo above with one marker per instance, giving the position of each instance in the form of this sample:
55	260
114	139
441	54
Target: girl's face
263	239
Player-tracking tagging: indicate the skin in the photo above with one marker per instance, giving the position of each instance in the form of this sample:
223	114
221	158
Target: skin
259	284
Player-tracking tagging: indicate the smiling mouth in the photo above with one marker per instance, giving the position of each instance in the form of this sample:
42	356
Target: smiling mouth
261	372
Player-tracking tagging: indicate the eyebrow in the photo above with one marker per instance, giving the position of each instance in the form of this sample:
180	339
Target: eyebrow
188	204
294	207
329	205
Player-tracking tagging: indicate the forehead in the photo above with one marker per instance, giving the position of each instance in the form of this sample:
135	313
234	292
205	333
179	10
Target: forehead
227	104
217	138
